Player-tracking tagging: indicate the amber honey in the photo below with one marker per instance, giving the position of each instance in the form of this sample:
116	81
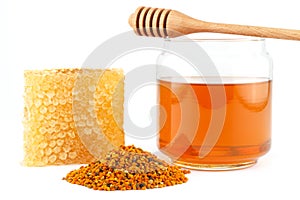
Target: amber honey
242	107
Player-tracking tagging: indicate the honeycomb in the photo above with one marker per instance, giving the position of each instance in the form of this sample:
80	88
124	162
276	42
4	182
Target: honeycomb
72	116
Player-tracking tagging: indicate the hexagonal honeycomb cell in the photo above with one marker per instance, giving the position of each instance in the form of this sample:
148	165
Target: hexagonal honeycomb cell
72	116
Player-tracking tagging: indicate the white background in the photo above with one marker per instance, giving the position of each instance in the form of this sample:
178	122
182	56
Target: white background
62	33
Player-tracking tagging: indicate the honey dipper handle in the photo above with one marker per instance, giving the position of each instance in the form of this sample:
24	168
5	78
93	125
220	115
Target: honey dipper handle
184	24
257	31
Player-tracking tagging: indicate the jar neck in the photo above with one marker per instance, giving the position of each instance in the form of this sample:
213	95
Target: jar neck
245	57
226	46
234	46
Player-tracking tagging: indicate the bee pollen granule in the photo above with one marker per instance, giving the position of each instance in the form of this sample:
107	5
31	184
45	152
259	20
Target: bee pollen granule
127	168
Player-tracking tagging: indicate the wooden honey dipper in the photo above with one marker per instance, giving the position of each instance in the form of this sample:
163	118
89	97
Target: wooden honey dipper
159	22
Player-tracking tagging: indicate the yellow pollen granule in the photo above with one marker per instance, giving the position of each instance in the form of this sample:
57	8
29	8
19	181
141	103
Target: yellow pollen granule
127	168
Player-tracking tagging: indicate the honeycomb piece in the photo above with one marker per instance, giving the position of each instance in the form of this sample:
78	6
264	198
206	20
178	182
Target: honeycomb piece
99	95
72	116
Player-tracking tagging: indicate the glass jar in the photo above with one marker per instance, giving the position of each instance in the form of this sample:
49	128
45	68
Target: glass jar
214	114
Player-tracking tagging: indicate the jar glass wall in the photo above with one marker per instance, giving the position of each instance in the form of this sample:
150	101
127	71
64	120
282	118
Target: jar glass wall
218	119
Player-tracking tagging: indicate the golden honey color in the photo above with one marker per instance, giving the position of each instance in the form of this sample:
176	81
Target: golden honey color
246	131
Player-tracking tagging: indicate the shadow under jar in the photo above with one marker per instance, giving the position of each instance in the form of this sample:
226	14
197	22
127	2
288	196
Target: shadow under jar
215	117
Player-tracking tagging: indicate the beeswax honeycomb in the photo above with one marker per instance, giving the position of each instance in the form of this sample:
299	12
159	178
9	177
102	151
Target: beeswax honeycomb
72	116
